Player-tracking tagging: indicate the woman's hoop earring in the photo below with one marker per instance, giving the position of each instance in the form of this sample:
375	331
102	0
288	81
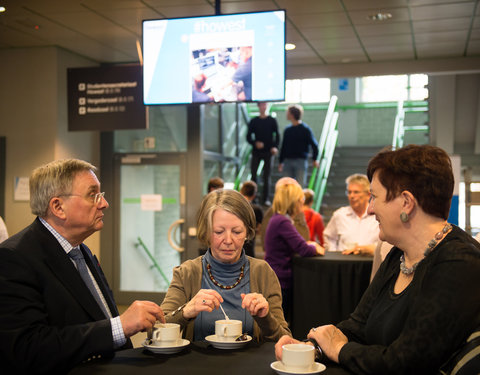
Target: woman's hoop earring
404	217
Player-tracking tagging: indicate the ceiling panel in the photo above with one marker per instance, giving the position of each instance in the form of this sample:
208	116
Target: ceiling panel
378	56
328	32
339	43
452	36
186	10
310	6
13	37
374	5
388	40
442	49
319	19
361	17
439	11
447	24
473	48
246	6
385	28
106	30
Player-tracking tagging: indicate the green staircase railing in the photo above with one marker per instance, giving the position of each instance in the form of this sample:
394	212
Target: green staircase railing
326	147
400	128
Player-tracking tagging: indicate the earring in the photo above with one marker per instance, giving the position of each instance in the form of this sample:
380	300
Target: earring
403	217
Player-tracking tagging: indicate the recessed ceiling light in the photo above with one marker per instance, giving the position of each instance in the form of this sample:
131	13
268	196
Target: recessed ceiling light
379	16
290	46
2	9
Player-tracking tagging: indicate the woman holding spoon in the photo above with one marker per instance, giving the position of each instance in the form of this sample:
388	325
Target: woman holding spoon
246	288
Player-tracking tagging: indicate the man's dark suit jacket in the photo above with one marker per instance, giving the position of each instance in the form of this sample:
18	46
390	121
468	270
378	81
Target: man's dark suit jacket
49	321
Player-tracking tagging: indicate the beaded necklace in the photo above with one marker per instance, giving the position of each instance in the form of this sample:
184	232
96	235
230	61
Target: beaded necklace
240	277
430	246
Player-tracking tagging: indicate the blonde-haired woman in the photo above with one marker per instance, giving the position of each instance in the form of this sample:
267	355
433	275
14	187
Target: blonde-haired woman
247	288
282	240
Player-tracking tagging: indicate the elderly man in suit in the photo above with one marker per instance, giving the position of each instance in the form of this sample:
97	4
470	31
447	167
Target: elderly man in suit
56	308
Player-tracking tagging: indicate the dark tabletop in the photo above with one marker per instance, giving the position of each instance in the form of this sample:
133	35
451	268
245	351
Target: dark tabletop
198	358
326	289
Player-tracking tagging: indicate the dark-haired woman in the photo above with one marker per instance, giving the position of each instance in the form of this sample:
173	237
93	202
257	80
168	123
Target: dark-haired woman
424	301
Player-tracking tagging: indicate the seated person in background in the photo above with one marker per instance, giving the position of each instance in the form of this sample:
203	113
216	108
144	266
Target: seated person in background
56	308
247	288
214	183
381	251
282	240
249	191
351	229
424	301
313	218
298	220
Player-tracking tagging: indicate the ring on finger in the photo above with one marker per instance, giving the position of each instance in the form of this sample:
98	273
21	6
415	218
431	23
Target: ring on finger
204	302
314	329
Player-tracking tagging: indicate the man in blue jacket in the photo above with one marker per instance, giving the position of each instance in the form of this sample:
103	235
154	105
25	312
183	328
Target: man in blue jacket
297	139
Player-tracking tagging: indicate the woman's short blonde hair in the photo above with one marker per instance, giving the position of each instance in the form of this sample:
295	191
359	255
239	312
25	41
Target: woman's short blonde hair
229	200
54	179
286	199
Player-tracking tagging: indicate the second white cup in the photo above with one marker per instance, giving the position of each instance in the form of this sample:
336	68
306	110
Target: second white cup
228	330
298	357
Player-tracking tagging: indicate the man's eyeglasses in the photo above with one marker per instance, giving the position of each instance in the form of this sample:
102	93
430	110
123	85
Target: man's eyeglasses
96	198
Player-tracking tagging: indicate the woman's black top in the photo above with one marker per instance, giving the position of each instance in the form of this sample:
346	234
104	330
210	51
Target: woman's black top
416	331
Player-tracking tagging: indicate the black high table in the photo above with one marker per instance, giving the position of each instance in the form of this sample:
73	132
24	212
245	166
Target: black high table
197	359
326	289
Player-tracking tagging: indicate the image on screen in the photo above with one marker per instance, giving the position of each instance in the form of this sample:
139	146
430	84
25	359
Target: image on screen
227	58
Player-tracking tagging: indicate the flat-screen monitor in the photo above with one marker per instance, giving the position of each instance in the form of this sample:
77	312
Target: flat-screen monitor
222	58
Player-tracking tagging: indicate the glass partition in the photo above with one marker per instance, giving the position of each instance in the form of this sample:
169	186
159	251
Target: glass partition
167	132
150	201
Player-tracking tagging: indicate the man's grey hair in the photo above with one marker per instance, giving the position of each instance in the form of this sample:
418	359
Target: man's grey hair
52	180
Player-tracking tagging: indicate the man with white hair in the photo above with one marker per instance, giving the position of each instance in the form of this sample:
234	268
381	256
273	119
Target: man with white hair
351	229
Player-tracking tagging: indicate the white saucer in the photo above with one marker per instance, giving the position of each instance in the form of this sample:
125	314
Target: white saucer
212	339
167	349
280	369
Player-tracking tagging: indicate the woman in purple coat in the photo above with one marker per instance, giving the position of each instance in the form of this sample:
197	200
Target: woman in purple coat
282	240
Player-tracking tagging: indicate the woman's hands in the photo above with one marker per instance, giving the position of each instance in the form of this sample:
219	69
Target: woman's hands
284	340
204	300
330	339
208	300
256	304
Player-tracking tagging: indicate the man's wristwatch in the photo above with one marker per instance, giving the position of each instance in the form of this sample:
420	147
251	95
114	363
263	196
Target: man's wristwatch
318	349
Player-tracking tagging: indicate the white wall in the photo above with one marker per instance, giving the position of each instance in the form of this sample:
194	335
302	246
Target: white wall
33	108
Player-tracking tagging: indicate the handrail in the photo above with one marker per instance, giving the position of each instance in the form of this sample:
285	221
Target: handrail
326	147
245	152
398	130
152	258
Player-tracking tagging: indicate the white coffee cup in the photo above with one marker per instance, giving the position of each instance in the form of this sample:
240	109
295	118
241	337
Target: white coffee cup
166	334
298	357
228	330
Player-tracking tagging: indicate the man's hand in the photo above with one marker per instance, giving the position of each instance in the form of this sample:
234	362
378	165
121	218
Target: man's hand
259	145
140	316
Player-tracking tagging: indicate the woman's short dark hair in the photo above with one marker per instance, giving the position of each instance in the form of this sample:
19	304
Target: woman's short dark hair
425	171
